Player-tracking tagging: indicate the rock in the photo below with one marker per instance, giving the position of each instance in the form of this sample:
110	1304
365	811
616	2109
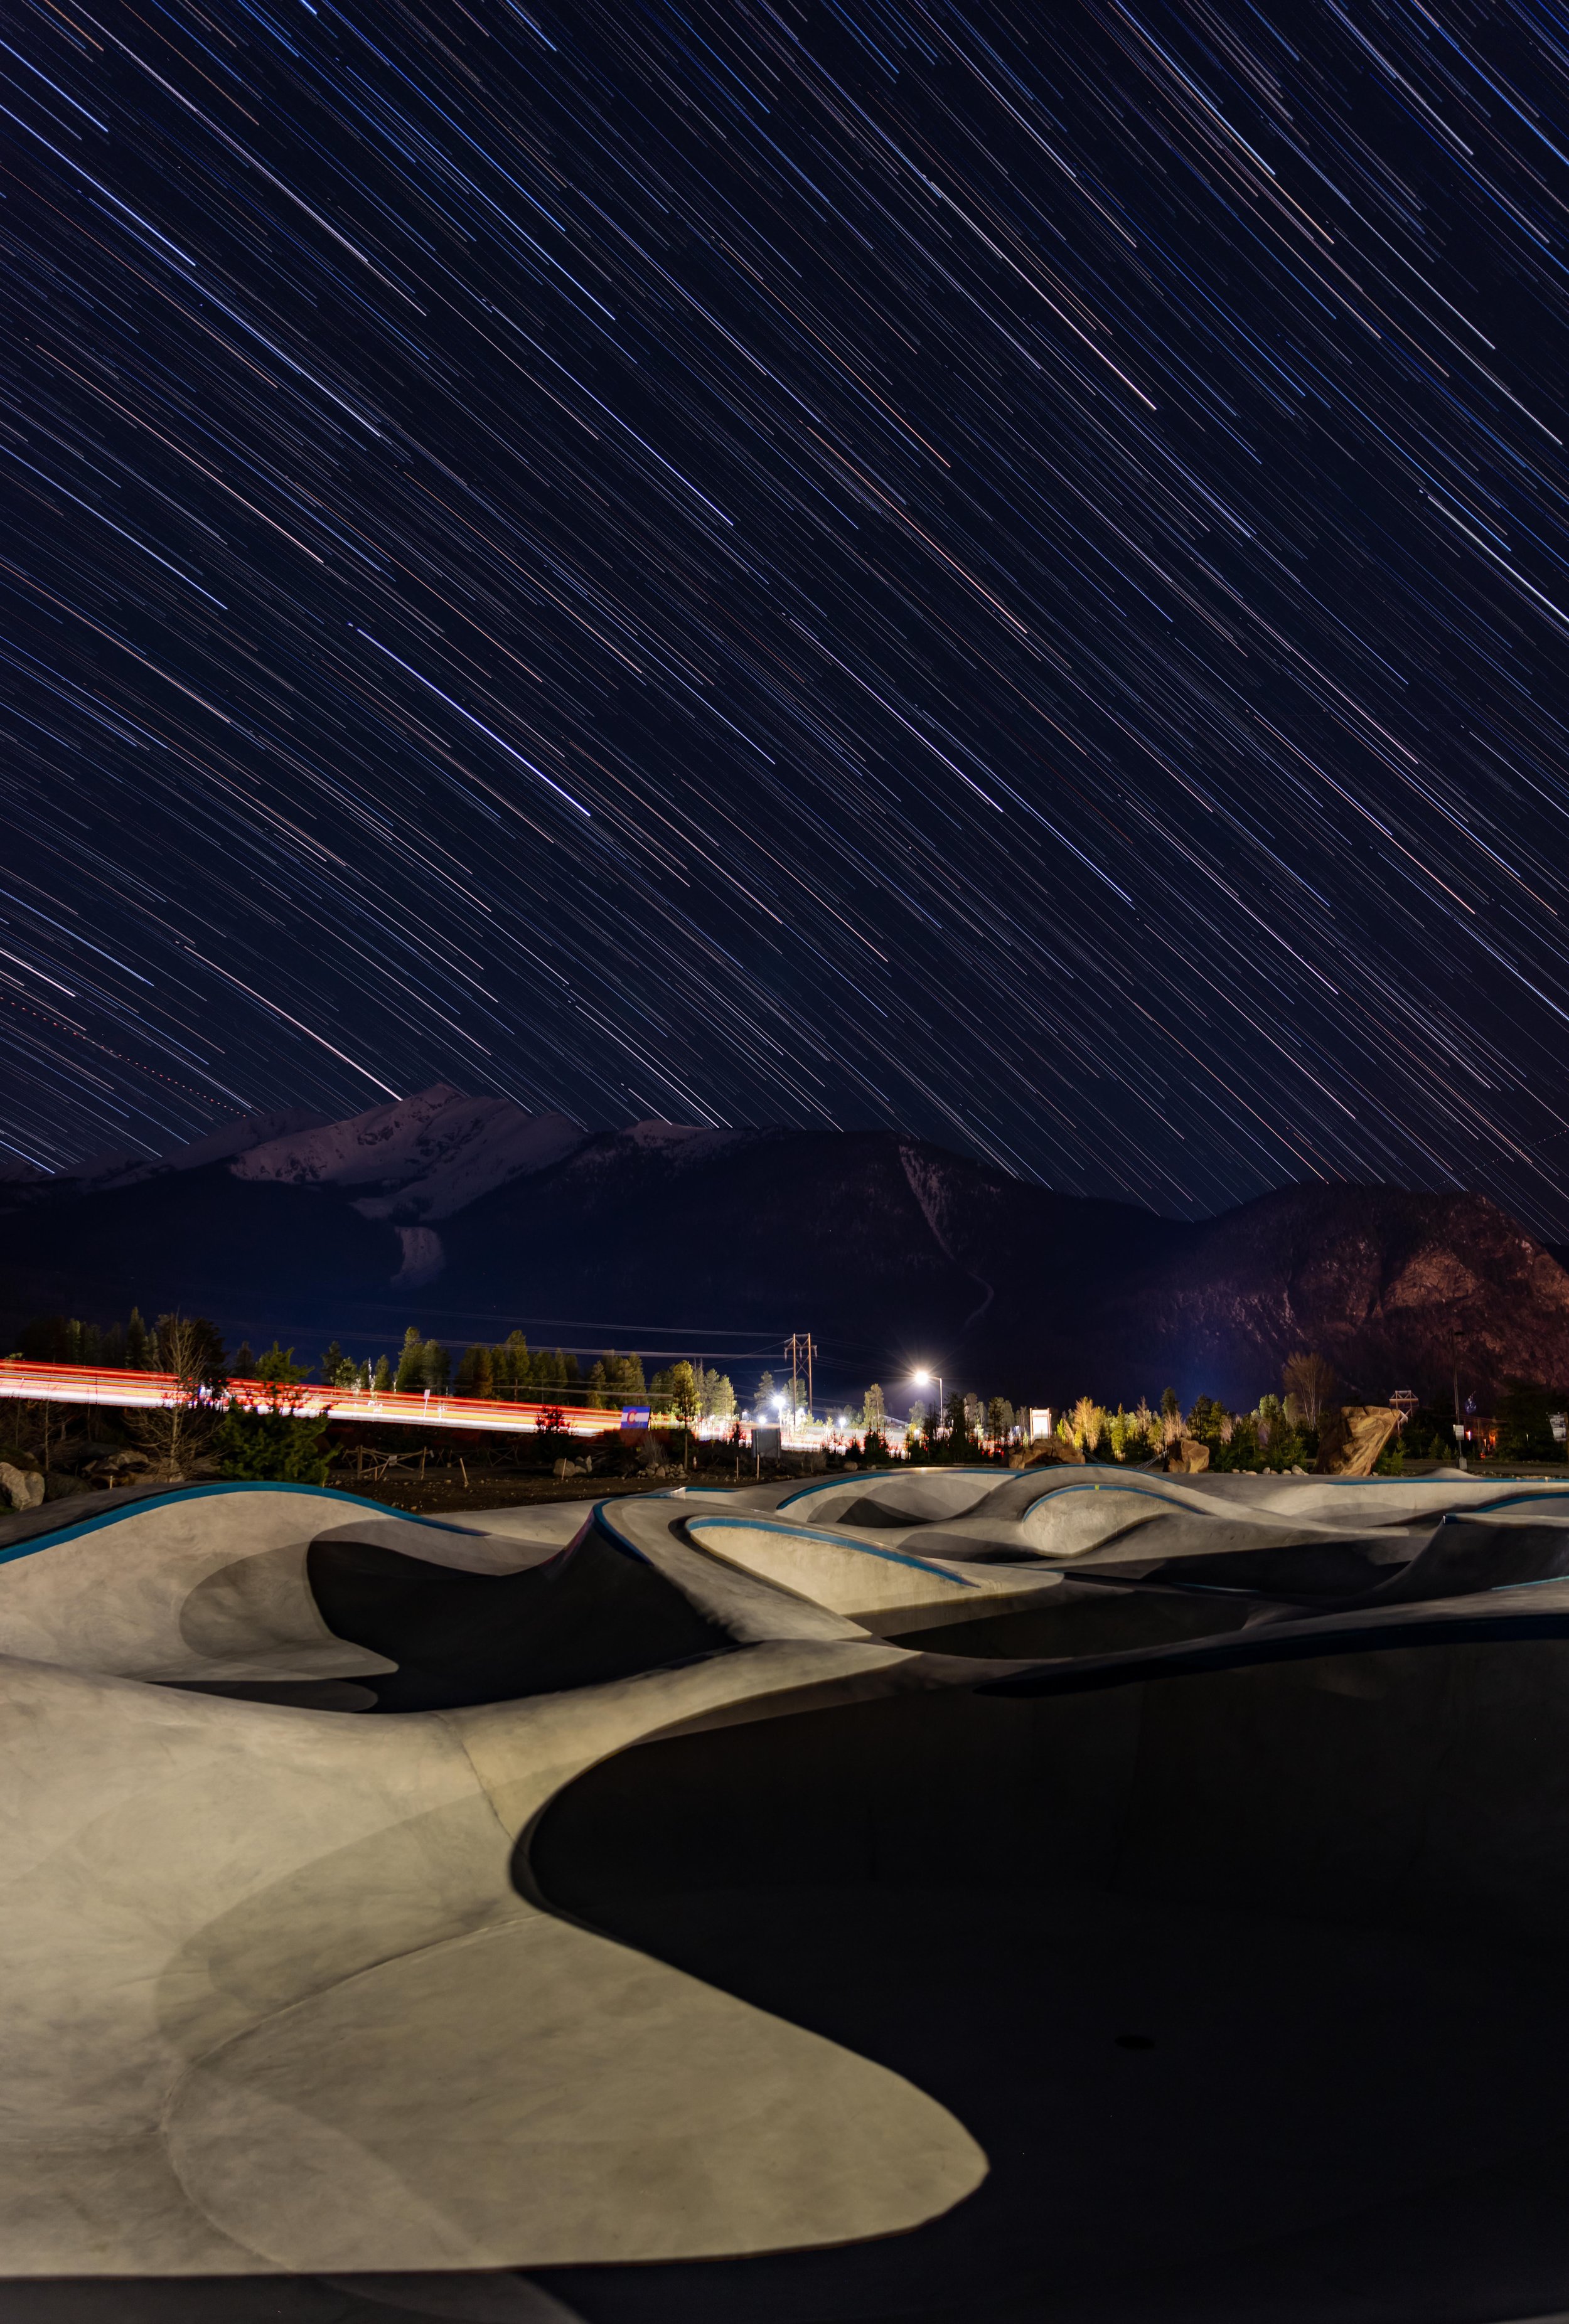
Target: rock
116	1467
23	1488
60	1486
1349	1440
1187	1458
1048	1448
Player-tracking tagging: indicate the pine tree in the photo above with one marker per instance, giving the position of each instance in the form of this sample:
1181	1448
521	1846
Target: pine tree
244	1362
764	1400
384	1378
333	1361
412	1364
136	1343
686	1396
874	1412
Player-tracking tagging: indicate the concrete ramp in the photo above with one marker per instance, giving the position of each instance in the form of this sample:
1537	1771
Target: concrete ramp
882	1588
276	2002
204	1581
889	1496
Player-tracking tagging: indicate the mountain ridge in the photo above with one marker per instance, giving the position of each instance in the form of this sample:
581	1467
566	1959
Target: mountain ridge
469	1215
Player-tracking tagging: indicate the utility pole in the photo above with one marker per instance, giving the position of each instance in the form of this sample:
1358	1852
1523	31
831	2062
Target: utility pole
1459	1418
800	1349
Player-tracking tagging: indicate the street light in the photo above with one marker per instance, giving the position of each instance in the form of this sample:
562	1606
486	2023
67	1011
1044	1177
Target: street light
923	1379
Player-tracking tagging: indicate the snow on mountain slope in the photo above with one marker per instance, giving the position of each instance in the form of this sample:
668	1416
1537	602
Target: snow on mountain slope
121	1166
428	1155
235	1138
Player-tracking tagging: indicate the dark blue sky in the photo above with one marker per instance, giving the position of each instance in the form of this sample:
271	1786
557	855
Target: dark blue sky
1001	570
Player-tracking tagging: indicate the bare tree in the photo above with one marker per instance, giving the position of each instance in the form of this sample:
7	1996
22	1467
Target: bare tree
42	1426
1310	1383
178	1431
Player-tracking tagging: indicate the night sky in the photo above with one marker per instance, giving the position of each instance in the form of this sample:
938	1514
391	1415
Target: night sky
998	570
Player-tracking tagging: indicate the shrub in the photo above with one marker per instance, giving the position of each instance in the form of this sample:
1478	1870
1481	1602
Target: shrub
267	1444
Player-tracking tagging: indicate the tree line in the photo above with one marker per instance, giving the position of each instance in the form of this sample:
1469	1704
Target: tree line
508	1370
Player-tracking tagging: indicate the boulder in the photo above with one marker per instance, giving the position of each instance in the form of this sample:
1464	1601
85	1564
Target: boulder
23	1488
1187	1458
1048	1448
1351	1439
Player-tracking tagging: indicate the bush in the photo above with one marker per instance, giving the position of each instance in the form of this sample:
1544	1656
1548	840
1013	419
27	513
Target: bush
266	1443
271	1447
1524	1425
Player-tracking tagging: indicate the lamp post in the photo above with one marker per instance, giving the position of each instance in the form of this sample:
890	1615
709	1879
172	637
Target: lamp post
924	1378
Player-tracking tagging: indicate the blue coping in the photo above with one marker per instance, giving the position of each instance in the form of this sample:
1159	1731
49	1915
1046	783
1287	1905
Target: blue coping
836	1541
55	1534
1509	1501
599	1520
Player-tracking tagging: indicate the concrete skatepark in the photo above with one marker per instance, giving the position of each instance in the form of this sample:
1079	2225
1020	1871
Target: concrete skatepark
939	1894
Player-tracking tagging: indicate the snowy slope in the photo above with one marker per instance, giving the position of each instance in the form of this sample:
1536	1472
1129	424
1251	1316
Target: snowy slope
115	1167
426	1155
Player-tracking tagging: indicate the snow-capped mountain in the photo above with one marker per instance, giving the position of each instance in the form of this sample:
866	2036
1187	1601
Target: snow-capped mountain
427	1155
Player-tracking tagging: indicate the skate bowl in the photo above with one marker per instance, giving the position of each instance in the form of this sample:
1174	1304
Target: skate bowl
673	1908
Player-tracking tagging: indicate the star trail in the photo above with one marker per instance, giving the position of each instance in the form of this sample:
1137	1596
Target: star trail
1001	570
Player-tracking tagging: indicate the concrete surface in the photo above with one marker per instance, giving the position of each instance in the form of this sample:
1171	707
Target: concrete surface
685	1898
